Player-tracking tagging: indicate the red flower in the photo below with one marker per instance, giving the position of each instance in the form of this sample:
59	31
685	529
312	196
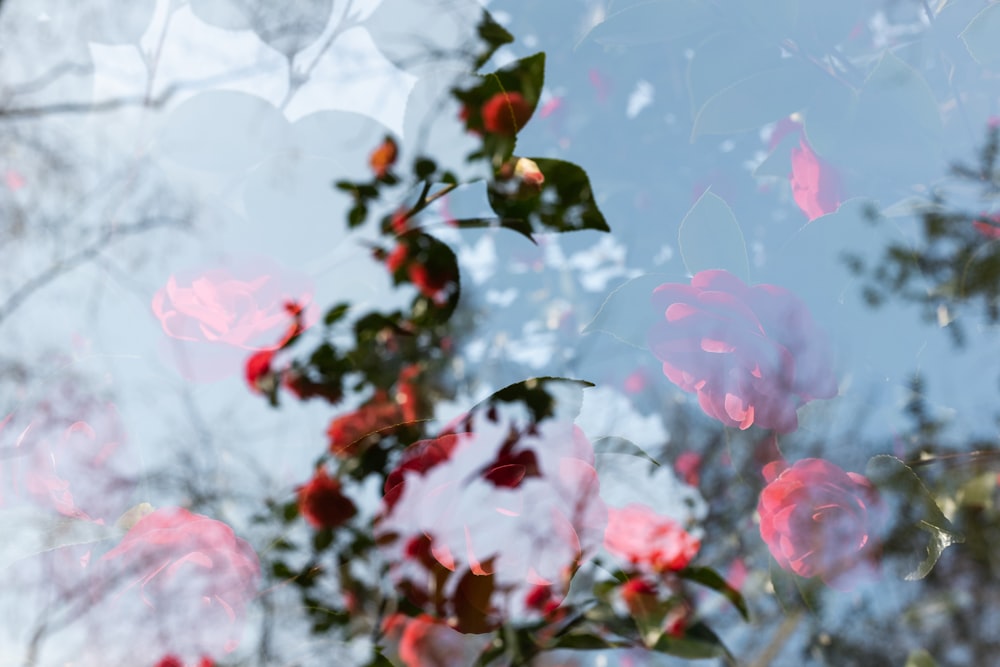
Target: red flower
259	369
395	259
687	465
818	520
639	596
349	434
322	503
506	113
988	226
644	538
816	185
383	157
185	576
753	355
219	313
430	283
174	661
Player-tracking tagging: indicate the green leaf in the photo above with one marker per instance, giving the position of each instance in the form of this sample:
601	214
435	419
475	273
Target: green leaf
357	215
757	99
424	168
583	641
566	202
920	532
711	579
920	658
980	36
627	313
711	238
616	445
699	642
654	21
28	532
336	314
536	394
494	35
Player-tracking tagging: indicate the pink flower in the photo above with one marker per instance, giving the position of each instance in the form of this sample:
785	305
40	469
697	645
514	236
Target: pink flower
216	314
988	226
80	469
428	642
186	577
816	185
753	355
818	520
652	542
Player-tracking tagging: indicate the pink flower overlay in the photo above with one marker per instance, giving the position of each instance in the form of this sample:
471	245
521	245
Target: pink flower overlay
753	355
184	577
217	314
818	520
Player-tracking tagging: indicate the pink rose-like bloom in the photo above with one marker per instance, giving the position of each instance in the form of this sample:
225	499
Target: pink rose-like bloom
818	520
80	469
753	355
652	542
186	577
816	184
522	509
220	313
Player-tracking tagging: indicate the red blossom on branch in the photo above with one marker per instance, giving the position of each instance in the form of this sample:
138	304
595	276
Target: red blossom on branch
323	504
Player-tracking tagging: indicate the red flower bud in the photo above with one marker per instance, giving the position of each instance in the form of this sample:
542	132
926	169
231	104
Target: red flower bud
383	157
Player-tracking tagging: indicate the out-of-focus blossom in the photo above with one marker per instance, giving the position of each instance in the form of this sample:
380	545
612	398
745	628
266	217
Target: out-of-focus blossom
818	520
501	511
816	185
80	469
183	576
424	641
323	504
687	466
654	543
753	355
352	433
506	113
988	226
383	157
216	314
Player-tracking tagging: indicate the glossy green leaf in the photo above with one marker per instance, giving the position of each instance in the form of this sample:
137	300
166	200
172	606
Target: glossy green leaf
919	532
616	445
757	99
699	642
711	579
627	313
980	36
711	238
654	21
565	203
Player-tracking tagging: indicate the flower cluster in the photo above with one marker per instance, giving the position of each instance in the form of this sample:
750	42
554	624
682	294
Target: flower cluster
502	511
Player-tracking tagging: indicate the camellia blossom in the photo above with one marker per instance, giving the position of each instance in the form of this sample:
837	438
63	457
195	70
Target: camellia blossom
217	314
818	520
499	510
185	576
323	504
816	184
383	157
649	541
988	226
506	113
424	641
753	355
